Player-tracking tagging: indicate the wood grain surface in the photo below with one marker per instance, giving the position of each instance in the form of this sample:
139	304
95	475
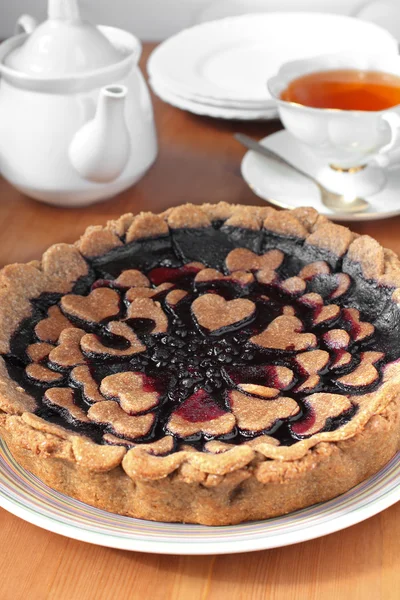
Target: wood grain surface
198	162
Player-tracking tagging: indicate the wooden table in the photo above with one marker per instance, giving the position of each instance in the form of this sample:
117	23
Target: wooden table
198	162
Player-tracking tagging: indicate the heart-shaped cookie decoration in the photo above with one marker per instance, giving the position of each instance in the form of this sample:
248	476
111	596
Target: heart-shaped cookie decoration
173	298
321	313
132	278
200	414
214	312
38	352
320	407
271	377
68	352
92	345
210	275
41	373
358	329
147	292
365	374
320	267
63	400
293	285
310	364
343	283
146	308
100	304
133	390
49	329
242	259
253	414
338	340
82	378
110	413
284	333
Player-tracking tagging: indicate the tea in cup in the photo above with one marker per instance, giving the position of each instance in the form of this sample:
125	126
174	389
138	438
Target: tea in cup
346	108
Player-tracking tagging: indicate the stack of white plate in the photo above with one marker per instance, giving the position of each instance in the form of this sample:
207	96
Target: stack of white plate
220	68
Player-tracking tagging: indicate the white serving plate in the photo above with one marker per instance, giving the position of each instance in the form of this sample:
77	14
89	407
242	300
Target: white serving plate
28	498
199	107
385	13
228	8
230	60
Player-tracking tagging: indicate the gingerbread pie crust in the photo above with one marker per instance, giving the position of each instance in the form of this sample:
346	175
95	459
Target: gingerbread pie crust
323	417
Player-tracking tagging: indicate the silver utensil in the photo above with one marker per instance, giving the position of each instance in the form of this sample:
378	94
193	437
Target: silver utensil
335	202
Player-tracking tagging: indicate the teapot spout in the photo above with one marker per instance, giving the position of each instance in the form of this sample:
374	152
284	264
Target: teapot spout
100	150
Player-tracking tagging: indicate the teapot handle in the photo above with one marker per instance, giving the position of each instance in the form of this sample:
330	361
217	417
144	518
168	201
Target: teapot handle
25	24
383	157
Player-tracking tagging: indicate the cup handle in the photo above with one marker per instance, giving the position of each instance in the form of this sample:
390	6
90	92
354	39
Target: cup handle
25	24
393	120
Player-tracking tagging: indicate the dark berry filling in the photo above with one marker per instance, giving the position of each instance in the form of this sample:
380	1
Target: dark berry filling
196	371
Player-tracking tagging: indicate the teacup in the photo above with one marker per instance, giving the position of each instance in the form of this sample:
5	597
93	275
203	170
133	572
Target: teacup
348	140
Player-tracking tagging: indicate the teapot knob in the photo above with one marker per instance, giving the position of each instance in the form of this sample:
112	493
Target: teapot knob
65	10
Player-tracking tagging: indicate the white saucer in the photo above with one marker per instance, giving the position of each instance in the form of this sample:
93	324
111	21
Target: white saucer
217	112
230	60
285	188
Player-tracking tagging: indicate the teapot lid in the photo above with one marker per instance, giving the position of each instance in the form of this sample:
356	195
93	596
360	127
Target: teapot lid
63	45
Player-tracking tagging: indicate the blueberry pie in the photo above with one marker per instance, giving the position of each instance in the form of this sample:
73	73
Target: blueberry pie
212	364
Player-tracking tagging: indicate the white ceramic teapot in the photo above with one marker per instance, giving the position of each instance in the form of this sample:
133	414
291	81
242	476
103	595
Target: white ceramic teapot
76	120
